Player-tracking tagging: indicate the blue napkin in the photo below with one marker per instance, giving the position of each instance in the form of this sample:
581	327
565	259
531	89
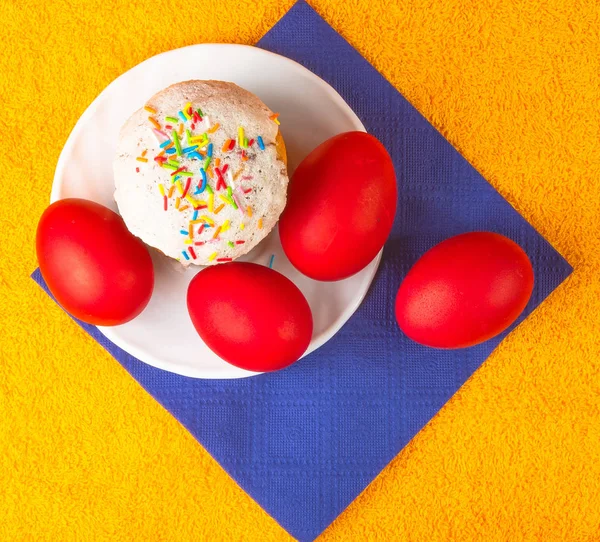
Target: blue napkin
304	442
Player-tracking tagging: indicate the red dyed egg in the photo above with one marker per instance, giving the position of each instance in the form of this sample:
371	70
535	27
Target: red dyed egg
94	267
341	206
464	291
249	315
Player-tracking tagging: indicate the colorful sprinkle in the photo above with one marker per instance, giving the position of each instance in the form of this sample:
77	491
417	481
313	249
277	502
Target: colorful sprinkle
161	189
196	155
221	182
188	183
205	166
212	256
177	142
183	232
207	220
224	259
186	109
225	226
165	143
271	260
217	232
275	118
160	133
209	150
165	203
180	131
140	159
241	137
170	151
261	144
211	202
137	169
150	110
202	187
214	128
242	226
177	202
260	224
185	255
189	149
169	166
230	243
232	144
238	204
182	116
219	208
244	156
181	209
195	216
189	136
226	146
192	252
249	211
177	171
174	120
240	242
154	122
199	243
200	141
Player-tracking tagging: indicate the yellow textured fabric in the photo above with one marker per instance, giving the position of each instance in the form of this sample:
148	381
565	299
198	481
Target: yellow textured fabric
86	454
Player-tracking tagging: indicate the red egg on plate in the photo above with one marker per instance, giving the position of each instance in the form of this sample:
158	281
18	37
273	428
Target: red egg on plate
464	291
95	268
249	315
341	206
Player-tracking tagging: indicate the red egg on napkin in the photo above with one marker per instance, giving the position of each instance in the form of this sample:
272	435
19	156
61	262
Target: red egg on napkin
464	291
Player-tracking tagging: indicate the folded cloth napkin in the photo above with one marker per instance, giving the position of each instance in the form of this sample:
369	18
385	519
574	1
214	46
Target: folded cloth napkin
304	442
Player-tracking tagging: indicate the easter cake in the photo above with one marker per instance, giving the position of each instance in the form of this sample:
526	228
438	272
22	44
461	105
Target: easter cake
200	172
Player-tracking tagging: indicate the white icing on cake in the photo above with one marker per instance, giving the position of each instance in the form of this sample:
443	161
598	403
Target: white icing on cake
264	173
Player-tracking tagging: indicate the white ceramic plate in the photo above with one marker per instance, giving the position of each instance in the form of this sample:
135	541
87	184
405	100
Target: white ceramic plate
311	112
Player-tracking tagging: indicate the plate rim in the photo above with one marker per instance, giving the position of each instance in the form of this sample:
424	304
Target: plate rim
57	185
